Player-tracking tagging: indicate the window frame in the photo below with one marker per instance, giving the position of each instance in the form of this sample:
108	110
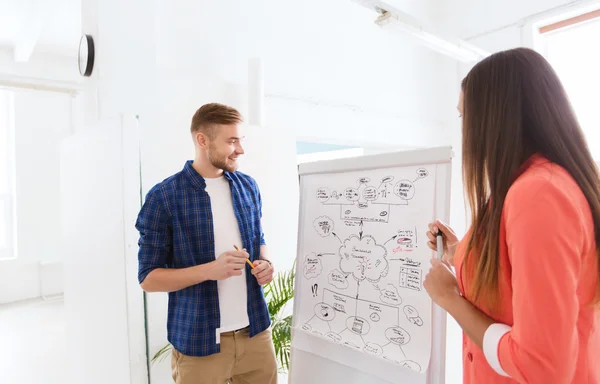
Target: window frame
569	22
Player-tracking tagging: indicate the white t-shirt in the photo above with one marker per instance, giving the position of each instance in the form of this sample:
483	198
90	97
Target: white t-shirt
232	291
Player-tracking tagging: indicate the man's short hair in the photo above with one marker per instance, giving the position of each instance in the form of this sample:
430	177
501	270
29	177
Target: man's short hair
210	115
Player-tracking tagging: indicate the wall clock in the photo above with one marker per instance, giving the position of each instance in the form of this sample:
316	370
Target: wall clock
86	55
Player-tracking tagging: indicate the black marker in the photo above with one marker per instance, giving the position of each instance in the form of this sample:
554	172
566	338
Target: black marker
440	244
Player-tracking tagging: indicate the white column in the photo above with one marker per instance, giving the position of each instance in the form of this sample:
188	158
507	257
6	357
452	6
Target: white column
104	305
256	93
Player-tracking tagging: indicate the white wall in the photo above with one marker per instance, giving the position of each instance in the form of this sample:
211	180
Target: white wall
42	121
354	81
103	308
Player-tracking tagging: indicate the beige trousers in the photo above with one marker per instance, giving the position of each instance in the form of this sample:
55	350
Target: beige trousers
242	360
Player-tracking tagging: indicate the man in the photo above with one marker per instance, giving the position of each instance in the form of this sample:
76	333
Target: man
198	230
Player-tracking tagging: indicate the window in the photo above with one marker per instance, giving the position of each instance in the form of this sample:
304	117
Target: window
307	151
571	47
329	155
7	180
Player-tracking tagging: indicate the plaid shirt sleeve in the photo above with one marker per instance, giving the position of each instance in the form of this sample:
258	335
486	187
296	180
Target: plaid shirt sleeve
262	233
155	241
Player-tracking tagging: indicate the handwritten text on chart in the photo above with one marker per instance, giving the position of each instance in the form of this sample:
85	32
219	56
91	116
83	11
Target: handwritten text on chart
410	278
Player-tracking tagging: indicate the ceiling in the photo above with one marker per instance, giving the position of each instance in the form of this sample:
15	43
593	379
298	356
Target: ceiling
471	18
55	25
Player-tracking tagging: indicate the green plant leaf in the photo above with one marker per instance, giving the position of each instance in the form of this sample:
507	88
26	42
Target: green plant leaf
280	291
162	354
281	331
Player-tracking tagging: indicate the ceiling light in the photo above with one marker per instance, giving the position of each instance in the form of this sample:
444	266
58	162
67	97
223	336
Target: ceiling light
460	50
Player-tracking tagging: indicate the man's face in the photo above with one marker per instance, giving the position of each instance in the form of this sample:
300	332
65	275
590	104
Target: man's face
225	147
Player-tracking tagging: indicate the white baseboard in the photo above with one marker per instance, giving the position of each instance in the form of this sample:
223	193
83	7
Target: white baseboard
18	281
22	281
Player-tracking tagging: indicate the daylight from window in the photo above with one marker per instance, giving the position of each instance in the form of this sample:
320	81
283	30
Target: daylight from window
575	56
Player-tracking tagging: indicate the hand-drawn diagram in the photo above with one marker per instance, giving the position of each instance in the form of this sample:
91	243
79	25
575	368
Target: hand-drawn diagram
360	324
312	266
413	315
338	279
405	240
410	278
390	295
323	225
363	258
365	265
367	202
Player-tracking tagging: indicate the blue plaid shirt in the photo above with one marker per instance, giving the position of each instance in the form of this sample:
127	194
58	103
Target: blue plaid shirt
176	231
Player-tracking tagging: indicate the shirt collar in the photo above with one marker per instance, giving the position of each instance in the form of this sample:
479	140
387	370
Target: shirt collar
194	177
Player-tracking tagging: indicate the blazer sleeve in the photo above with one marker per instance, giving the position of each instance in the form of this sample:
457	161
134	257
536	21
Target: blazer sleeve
545	239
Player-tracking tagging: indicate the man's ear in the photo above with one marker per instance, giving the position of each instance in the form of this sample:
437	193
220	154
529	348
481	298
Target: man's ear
201	140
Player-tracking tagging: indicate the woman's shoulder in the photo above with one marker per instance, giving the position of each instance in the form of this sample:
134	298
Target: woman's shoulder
545	192
541	181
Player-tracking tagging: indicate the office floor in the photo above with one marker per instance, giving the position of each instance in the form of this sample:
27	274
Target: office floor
32	337
32	343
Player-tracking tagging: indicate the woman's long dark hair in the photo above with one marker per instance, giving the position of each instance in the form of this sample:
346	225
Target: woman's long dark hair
514	105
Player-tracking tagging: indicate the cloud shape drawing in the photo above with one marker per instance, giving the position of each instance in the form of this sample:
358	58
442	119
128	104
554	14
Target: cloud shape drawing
363	258
390	295
312	266
323	225
338	279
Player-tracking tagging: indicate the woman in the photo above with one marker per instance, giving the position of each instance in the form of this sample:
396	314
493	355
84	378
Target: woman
526	290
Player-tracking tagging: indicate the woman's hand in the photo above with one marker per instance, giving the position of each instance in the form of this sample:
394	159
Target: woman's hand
450	240
440	283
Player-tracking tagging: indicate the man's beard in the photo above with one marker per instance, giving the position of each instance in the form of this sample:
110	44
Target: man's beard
221	163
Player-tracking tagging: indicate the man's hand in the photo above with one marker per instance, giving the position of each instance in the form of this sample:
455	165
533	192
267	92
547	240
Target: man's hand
228	264
263	271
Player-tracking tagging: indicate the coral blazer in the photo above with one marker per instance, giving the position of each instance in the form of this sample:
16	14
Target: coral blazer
546	331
